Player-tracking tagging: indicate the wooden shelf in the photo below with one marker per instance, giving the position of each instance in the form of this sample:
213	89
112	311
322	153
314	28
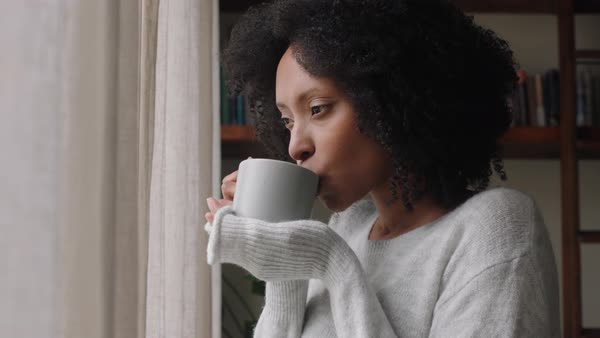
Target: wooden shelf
521	6
590	333
518	142
589	237
507	6
236	5
531	143
240	142
480	6
239	133
544	143
588	53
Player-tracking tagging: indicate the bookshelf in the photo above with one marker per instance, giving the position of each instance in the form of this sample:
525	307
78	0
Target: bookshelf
521	142
480	6
518	142
521	6
544	143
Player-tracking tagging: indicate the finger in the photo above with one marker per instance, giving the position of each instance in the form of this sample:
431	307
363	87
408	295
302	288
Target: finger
224	202
212	204
228	190
231	177
209	217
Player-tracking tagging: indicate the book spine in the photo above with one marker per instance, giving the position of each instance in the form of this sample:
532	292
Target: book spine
522	96
555	97
240	109
515	109
587	87
581	104
247	111
596	98
224	99
531	101
547	84
539	101
232	110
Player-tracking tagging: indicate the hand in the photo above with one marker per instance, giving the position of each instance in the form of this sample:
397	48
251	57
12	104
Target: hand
214	205
228	190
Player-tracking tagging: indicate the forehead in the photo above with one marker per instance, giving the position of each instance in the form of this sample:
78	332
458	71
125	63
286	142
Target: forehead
293	81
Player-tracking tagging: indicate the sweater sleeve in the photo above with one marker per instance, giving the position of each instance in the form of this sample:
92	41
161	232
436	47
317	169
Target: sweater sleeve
508	299
299	250
283	314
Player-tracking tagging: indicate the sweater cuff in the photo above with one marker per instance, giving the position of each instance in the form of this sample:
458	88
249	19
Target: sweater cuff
214	239
293	250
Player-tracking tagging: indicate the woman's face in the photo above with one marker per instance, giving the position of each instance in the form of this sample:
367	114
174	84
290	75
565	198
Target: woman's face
325	138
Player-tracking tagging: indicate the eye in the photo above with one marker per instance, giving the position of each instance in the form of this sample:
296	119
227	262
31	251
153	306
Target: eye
319	109
287	122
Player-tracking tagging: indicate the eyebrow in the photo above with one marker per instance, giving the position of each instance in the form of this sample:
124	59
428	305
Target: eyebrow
300	98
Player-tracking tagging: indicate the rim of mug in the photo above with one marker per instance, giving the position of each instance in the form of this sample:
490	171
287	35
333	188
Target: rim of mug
280	162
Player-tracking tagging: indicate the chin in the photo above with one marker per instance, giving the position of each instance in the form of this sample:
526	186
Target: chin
333	203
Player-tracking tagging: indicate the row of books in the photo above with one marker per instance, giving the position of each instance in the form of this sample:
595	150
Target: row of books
588	97
536	101
234	109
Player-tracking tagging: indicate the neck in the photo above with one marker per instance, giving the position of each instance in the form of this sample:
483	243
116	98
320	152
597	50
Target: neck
394	220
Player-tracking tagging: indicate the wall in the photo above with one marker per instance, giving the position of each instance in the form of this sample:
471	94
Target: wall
534	39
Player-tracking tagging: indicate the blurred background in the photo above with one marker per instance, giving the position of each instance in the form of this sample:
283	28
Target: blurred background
115	129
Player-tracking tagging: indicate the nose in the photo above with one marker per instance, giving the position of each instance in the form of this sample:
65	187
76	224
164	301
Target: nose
301	146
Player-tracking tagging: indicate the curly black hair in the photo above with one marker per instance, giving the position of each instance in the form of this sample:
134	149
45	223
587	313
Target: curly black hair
426	83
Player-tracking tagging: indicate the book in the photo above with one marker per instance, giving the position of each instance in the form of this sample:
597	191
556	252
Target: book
522	98
540	113
515	108
554	92
587	94
581	100
231	112
595	84
531	101
225	116
239	109
547	92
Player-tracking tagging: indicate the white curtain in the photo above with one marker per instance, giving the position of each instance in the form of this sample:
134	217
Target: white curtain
57	140
30	127
178	289
109	146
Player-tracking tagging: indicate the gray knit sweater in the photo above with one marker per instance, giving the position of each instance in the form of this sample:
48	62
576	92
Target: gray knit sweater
486	269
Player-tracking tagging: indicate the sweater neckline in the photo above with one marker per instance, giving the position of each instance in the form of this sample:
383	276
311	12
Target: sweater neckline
410	236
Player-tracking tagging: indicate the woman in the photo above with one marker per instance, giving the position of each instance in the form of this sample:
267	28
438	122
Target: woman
403	101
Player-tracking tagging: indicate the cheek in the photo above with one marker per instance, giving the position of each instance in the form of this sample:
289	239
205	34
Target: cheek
348	188
360	165
356	163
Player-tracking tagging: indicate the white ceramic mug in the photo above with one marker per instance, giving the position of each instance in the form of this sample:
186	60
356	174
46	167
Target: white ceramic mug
274	191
